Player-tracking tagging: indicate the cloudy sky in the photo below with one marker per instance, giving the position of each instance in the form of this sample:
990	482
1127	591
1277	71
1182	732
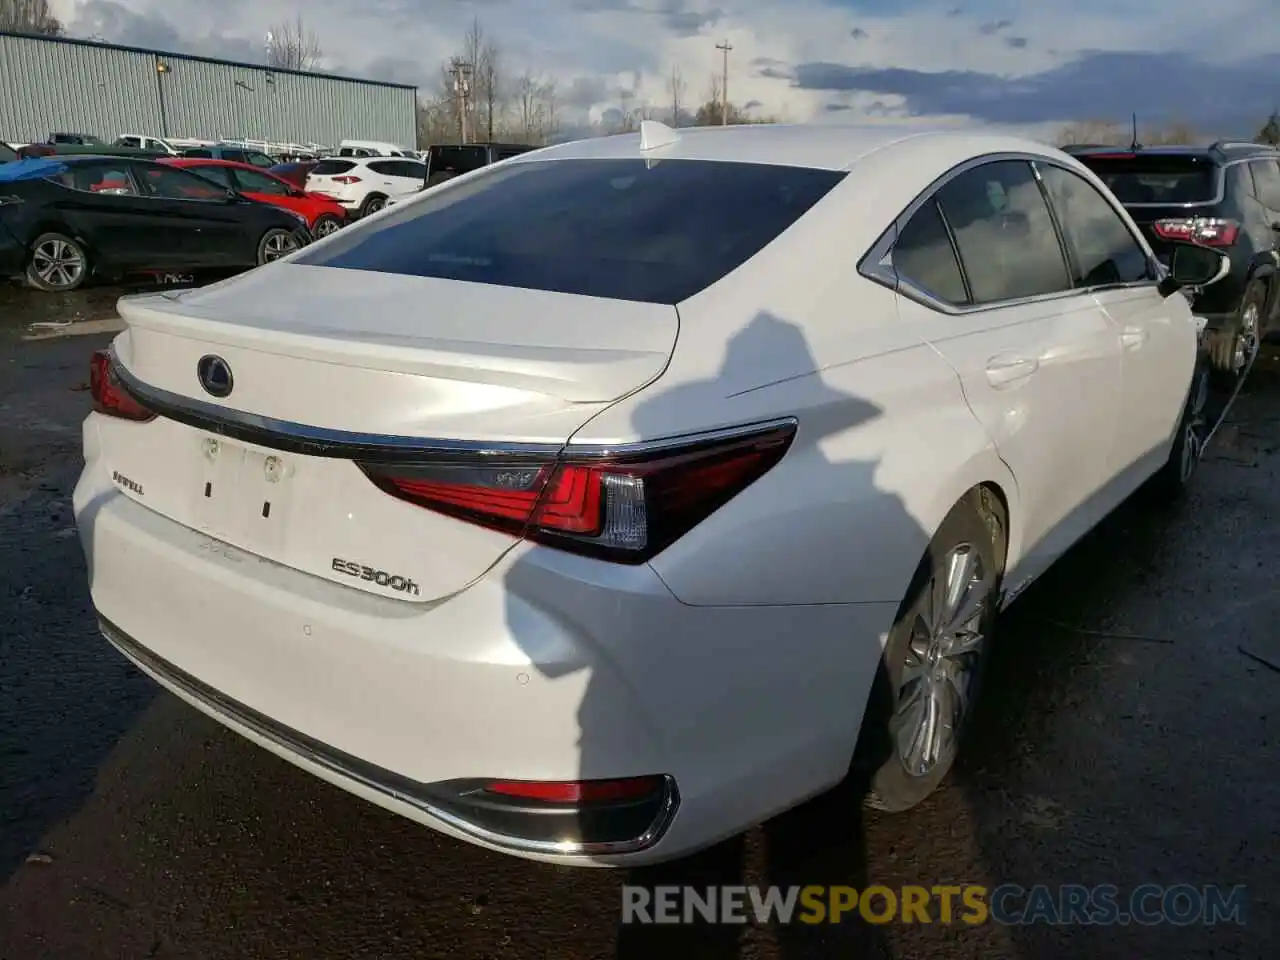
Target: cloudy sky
1034	62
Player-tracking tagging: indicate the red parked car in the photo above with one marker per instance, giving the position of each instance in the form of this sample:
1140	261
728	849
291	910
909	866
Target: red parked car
324	216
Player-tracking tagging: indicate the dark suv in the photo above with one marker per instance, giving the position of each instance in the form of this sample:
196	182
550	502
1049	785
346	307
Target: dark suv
1225	196
446	161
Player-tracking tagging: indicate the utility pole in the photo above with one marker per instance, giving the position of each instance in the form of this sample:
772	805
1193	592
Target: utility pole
460	70
724	48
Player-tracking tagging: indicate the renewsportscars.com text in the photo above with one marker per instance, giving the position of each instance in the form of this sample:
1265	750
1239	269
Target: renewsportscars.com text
1009	904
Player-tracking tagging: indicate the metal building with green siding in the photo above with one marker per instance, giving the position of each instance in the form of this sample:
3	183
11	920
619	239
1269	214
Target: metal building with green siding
79	86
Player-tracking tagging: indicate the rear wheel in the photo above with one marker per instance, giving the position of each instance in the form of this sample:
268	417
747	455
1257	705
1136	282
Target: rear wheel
372	204
935	657
1233	352
1188	446
325	225
58	264
276	243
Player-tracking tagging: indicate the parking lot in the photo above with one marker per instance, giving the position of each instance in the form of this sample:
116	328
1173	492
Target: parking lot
1129	736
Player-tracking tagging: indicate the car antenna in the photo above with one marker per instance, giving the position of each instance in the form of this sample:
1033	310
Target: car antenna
654	135
1135	145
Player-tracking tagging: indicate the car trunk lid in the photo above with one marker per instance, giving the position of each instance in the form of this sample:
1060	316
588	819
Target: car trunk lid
324	371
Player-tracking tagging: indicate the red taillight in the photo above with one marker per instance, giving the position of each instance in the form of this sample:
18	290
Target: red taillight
1206	231
624	507
108	396
578	791
346	179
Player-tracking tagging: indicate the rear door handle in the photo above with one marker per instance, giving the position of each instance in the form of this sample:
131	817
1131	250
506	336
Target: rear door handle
1133	337
1006	370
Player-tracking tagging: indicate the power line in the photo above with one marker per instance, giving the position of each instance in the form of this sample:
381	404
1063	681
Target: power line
724	48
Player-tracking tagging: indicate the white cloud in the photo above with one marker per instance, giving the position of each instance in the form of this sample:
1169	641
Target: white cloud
608	46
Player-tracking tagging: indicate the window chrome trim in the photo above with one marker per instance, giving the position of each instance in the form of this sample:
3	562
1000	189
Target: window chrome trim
876	264
305	439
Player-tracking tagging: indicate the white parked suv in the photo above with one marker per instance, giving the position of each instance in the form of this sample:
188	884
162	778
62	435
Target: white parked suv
364	184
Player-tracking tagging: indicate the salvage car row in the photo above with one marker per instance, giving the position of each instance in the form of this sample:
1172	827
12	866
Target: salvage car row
629	493
65	218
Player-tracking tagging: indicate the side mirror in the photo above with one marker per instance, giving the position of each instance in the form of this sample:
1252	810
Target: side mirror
1191	265
232	197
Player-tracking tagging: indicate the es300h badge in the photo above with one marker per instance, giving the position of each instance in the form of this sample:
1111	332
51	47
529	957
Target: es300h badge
380	577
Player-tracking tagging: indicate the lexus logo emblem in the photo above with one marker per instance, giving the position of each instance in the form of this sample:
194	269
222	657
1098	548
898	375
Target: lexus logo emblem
215	376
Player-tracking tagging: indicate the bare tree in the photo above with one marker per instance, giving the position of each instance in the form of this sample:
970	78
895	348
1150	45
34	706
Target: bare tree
293	46
536	121
30	16
677	87
1093	131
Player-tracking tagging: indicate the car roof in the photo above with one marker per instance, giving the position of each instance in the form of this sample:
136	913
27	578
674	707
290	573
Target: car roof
828	147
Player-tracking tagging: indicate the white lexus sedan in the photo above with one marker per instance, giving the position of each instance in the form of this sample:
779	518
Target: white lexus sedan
577	506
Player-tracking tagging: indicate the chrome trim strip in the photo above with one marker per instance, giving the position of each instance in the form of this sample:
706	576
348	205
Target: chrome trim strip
315	441
386	782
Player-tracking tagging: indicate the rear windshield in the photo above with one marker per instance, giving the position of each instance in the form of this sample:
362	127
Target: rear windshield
621	229
1186	179
457	159
330	168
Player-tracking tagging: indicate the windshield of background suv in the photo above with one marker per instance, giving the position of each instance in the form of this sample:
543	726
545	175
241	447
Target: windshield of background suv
620	229
1157	179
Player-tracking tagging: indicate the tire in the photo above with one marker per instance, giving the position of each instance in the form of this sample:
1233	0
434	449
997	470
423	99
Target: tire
1233	352
1173	479
276	243
372	204
325	224
971	538
57	264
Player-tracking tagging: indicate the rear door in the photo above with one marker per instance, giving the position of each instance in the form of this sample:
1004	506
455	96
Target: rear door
1039	361
105	205
201	227
396	177
1157	337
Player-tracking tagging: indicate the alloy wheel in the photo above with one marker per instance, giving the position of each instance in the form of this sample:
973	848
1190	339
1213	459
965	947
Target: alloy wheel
325	226
943	655
1194	430
278	245
1246	345
59	263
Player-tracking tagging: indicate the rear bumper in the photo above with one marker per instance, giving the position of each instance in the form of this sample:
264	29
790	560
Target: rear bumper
548	668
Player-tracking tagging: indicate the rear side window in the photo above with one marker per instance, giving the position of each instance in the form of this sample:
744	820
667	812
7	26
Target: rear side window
619	229
204	154
1266	182
923	256
1157	179
331	168
388	168
7	153
1008	245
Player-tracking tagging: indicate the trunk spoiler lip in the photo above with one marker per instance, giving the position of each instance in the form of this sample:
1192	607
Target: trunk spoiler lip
521	367
308	440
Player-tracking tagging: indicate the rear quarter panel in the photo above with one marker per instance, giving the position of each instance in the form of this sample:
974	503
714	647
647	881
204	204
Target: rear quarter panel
886	443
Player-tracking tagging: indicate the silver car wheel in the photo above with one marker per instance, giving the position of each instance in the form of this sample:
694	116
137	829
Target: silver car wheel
58	263
279	244
944	652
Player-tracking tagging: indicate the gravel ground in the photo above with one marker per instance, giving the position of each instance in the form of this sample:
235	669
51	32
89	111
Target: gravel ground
1129	737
